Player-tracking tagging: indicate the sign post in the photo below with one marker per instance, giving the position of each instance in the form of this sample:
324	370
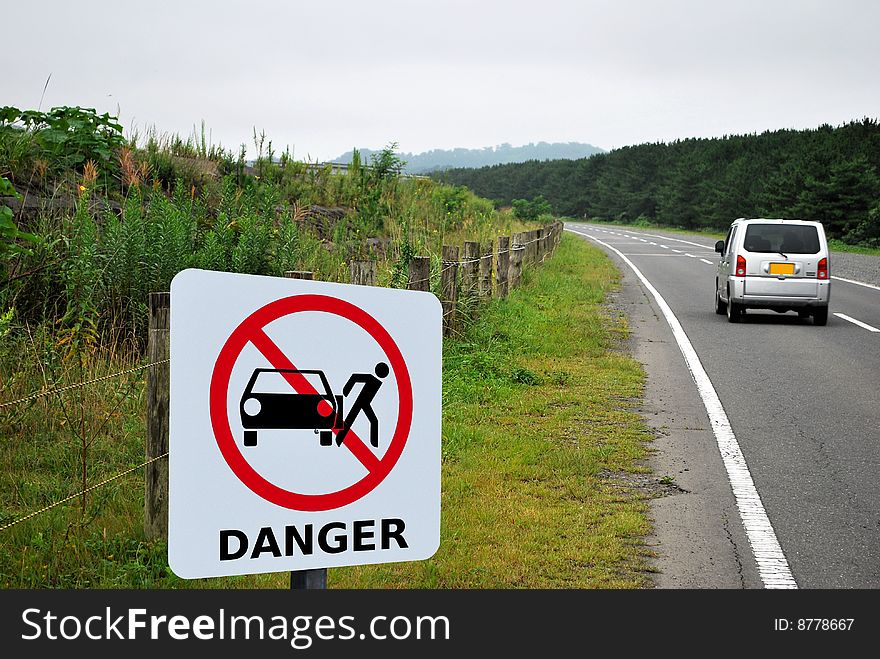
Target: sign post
306	579
304	425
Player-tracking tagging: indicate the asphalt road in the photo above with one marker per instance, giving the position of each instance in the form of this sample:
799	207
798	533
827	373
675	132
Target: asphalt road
803	402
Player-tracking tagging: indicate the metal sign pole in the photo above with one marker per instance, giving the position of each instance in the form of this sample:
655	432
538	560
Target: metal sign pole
309	579
306	579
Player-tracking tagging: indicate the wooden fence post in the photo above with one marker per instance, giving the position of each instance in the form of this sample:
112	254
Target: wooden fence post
158	377
315	579
486	270
419	274
363	272
449	287
517	253
532	251
503	264
469	269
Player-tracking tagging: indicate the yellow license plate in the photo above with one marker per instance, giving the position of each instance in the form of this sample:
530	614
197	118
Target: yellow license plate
782	268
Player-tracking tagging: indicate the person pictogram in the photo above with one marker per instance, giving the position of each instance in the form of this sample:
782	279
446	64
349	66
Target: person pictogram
363	402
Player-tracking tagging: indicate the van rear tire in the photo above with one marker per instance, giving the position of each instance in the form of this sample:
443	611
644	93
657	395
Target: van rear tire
820	316
734	312
720	305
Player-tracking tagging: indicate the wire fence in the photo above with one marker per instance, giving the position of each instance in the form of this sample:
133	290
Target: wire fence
81	493
77	385
447	265
550	239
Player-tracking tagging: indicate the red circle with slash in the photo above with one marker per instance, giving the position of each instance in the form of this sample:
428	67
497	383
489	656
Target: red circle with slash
251	331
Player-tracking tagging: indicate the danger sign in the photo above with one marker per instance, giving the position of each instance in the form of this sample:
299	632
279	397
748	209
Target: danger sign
305	424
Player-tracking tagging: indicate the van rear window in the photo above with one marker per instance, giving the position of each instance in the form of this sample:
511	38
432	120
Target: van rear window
785	238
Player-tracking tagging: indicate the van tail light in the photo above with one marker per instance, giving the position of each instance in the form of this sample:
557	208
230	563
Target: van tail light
740	266
823	269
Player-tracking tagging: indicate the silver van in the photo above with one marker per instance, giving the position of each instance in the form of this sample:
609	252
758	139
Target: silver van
781	265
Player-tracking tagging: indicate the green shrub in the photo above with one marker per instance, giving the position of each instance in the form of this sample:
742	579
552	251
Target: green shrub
68	137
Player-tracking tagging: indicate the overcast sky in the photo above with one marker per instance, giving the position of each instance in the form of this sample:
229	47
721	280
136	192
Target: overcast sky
324	76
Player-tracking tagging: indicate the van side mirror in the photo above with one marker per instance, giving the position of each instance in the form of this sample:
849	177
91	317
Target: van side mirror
719	247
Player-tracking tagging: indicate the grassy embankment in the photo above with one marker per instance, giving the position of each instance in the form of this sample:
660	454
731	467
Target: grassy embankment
534	425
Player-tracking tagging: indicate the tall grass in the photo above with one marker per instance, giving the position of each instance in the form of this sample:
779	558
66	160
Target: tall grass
107	263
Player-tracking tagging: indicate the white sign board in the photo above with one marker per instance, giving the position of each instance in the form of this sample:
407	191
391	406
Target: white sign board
304	424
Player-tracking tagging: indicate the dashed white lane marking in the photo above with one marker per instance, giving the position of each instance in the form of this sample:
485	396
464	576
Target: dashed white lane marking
707	261
772	564
677	251
652	243
664	246
678	240
857	283
690	255
870	328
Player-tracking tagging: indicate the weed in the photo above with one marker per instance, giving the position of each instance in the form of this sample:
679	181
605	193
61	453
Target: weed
523	375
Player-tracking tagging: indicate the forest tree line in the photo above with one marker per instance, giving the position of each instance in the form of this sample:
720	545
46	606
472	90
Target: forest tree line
830	174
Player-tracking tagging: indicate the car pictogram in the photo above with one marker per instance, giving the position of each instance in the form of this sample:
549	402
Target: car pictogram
269	402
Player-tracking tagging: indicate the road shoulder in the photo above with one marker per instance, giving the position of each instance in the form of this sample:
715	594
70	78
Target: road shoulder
698	538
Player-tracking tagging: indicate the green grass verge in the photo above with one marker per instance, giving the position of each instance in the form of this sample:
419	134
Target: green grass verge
537	442
534	425
837	246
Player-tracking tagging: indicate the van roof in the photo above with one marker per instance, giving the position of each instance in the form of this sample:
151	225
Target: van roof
777	220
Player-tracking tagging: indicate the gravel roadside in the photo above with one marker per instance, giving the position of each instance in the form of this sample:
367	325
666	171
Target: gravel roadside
859	267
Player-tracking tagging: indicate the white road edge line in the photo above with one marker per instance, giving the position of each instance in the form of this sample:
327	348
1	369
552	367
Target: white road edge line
772	565
870	328
857	283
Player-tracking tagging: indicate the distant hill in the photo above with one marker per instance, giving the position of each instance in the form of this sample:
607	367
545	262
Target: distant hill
440	159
